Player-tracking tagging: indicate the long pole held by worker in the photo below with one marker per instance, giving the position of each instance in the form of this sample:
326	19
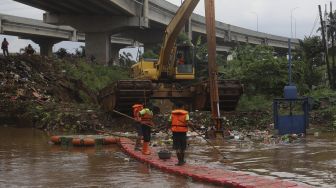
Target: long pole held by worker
209	143
129	117
211	40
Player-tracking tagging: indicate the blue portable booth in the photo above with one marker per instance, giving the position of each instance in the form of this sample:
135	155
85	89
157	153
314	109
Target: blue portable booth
291	113
291	116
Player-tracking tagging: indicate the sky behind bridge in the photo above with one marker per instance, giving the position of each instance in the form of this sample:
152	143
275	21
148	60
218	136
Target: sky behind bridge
269	16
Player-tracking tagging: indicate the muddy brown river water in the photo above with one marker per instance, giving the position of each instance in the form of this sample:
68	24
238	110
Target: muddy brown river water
28	160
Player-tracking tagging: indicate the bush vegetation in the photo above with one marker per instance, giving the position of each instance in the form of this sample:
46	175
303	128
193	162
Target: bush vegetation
94	76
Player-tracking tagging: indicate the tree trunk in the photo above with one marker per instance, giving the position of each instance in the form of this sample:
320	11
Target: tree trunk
310	67
333	69
325	48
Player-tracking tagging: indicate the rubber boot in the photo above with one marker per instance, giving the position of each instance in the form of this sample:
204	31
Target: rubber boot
182	158
137	146
179	157
145	148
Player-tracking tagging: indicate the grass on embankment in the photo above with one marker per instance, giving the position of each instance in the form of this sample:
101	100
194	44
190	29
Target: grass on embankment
95	77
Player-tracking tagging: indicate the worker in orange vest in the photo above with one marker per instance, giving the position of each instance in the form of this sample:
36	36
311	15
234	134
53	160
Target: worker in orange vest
179	126
180	59
146	116
136	109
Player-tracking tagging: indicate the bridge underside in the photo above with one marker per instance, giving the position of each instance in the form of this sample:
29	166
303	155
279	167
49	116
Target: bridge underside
97	7
98	19
133	19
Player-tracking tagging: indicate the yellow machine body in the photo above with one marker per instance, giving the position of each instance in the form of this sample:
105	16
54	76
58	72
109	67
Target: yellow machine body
148	69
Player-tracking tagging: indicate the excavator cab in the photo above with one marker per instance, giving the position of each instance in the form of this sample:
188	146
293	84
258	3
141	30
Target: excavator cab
184	62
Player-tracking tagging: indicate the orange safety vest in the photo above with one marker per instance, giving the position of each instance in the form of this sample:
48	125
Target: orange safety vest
136	109
178	119
181	61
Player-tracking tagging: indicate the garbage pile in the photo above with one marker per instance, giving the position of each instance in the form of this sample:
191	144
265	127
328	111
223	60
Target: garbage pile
241	121
254	127
240	127
36	92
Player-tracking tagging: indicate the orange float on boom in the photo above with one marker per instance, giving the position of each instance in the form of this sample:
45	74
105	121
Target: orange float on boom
77	142
89	142
56	139
84	140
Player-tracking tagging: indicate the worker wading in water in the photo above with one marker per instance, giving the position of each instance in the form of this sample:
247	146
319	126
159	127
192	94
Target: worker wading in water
179	126
146	116
136	115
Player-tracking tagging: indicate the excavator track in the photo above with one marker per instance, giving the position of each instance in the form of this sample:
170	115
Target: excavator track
229	92
122	95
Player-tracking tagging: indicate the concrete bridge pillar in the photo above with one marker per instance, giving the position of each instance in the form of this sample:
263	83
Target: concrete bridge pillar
97	47
188	29
1	25
115	50
114	60
46	46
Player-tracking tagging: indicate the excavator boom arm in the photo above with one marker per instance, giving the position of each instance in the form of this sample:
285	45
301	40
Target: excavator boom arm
173	29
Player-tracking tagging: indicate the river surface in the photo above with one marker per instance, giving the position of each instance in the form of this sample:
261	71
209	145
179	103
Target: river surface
27	159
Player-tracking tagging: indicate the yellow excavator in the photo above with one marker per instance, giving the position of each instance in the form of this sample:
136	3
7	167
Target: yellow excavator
169	76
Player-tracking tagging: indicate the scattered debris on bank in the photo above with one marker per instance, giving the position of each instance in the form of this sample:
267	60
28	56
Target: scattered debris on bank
36	92
40	93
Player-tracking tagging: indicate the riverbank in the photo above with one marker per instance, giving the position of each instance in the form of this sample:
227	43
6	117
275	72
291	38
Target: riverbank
60	96
38	93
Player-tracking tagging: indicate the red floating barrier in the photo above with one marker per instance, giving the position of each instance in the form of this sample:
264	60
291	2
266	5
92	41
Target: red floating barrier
56	139
109	140
77	142
83	140
216	176
89	142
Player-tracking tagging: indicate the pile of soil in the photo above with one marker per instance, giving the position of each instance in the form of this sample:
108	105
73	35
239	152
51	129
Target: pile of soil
36	92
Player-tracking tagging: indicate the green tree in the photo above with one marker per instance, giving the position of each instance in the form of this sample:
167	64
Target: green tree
309	61
125	60
61	53
150	54
201	61
258	69
331	37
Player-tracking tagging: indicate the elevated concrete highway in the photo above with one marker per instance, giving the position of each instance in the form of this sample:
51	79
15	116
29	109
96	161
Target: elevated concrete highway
46	35
162	12
141	20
